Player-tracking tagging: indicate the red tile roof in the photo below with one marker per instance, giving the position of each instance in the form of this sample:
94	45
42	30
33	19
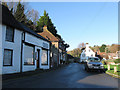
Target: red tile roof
48	35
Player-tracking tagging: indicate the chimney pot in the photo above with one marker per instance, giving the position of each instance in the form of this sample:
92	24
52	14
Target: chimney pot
45	27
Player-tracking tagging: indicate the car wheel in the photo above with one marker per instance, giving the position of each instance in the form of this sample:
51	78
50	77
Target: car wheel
87	69
101	71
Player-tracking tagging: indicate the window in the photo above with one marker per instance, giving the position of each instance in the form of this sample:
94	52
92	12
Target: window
44	57
9	34
83	55
92	55
94	59
7	60
47	38
28	55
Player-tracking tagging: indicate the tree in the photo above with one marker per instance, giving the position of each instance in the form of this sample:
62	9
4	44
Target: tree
12	6
19	14
102	48
75	52
31	25
96	48
45	20
113	48
81	45
5	4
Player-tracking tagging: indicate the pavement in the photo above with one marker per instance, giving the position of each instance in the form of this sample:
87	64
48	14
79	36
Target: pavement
28	73
69	76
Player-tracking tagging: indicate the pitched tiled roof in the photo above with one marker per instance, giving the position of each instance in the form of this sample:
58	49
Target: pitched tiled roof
8	19
48	35
112	54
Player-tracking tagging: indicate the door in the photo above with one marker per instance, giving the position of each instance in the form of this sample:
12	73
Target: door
38	61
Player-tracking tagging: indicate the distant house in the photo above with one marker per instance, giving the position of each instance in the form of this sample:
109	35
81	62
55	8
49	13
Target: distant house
113	55
109	55
62	51
22	49
86	53
102	55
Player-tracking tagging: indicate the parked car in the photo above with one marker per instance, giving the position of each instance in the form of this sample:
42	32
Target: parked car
83	61
94	63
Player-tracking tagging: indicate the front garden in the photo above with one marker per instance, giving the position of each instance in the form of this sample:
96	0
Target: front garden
112	63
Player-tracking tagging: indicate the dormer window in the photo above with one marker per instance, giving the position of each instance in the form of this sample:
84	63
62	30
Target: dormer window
9	34
47	38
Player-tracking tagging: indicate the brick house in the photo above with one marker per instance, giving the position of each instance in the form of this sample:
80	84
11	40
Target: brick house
58	48
54	58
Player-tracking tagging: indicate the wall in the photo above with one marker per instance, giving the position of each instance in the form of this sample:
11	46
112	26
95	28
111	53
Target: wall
1	54
55	56
34	40
16	46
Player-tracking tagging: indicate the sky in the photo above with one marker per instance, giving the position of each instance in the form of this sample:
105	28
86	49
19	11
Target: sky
95	23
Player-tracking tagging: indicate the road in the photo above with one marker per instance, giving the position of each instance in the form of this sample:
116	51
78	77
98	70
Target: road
70	76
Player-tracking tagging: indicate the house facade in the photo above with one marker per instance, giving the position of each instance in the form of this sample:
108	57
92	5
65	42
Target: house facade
21	48
54	52
62	52
114	55
58	51
86	53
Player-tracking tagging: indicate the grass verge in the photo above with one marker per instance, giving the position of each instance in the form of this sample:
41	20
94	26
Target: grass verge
111	71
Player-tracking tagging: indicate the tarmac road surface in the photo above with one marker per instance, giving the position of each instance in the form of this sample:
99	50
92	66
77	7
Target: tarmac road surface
70	76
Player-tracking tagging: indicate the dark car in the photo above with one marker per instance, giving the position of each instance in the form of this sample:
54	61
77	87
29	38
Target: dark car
94	63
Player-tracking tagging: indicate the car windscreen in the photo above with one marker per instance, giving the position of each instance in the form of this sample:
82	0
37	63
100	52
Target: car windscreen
94	59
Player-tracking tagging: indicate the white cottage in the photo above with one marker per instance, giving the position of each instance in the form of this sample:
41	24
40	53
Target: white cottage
21	49
86	53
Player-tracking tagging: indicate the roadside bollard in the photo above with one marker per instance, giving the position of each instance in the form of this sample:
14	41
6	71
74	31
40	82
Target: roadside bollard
108	66
115	69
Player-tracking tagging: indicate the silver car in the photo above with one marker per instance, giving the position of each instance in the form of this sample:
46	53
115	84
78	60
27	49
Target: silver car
94	63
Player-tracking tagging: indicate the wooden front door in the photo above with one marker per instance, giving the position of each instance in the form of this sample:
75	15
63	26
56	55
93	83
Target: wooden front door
38	61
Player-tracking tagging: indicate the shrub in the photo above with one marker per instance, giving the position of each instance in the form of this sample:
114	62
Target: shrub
117	61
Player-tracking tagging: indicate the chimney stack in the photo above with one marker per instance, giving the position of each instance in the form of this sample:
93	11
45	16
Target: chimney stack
87	45
45	27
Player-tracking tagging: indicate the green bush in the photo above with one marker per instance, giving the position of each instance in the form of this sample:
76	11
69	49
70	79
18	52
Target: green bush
117	61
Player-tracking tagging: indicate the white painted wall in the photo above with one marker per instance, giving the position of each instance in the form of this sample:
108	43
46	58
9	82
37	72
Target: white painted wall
16	47
1	54
34	40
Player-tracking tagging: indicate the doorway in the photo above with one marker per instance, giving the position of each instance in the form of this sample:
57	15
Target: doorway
38	59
